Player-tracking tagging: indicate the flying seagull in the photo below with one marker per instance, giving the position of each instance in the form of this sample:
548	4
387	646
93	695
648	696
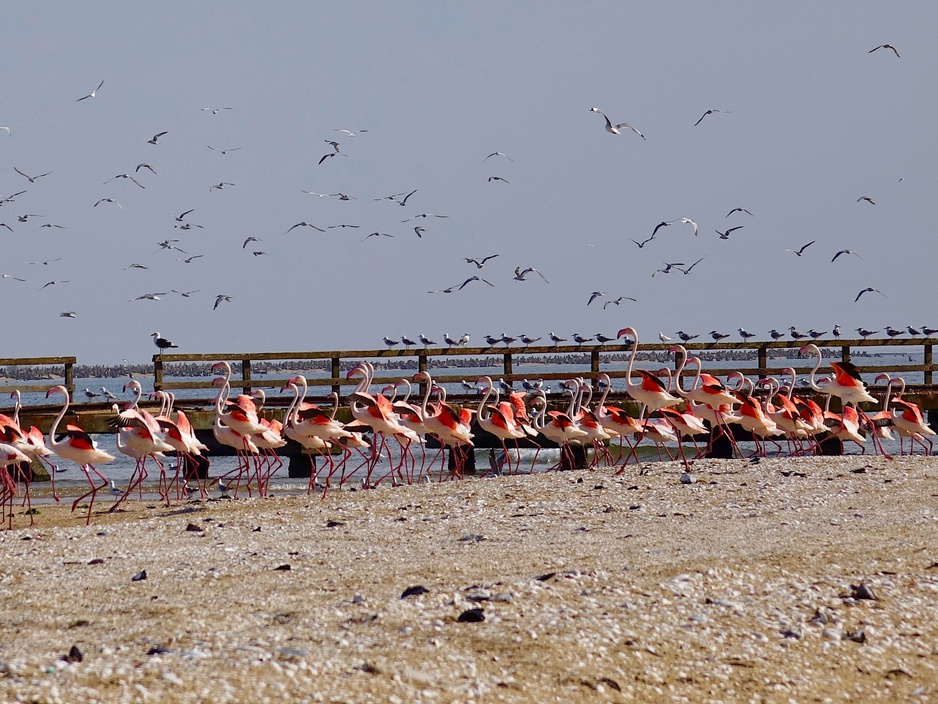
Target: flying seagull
688	221
474	278
847	251
181	216
223	151
884	46
305	224
92	94
214	110
520	274
867	199
737	210
155	138
350	133
617	301
376	234
643	242
186	294
250	239
127	176
497	178
595	295
31	179
799	252
499	154
220	298
425	215
867	290
150	296
419	230
709	112
726	235
616	129
220	186
108	200
479	262
68	314
144	165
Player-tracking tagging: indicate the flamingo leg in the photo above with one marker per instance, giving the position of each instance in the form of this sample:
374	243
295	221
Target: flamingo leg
93	492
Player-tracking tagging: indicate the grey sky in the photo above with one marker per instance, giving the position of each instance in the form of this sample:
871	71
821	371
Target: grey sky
814	122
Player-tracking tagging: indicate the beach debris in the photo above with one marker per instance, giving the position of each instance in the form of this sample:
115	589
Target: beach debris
687	478
96	561
256	529
471	616
545	577
416	590
139	577
334	524
862	591
159	650
472	538
74	655
856	636
193	528
282	568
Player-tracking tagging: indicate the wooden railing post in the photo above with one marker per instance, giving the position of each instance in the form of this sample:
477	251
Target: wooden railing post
508	367
157	373
763	361
845	353
928	361
246	376
594	364
336	371
70	377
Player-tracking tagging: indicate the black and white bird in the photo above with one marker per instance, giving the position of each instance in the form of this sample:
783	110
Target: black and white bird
389	342
717	336
556	339
305	224
864	333
507	339
891	331
799	252
616	129
663	337
449	341
407	342
775	334
929	331
479	262
709	112
31	179
220	185
603	339
846	251
92	94
725	235
745	334
912	331
686	337
89	394
521	273
108	200
617	301
795	334
162	343
885	46
525	340
736	210
594	295
579	339
836	330
464	340
474	278
127	176
424	340
499	154
866	199
107	394
156	138
490	341
221	298
815	334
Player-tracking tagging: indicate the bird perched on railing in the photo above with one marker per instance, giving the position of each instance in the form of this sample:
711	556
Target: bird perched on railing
815	334
795	334
162	343
556	339
424	340
579	339
528	340
775	334
389	342
602	339
864	333
407	341
891	331
686	337
745	334
717	336
492	341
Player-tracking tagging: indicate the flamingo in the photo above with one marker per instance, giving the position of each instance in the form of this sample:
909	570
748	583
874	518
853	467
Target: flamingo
451	426
498	418
235	428
910	423
309	443
10	455
139	437
561	429
79	447
614	419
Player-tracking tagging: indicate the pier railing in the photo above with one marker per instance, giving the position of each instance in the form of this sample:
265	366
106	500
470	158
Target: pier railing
599	359
66	363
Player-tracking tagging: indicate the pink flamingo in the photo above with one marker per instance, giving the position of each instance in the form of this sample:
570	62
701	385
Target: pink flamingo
498	418
910	423
449	425
9	455
80	448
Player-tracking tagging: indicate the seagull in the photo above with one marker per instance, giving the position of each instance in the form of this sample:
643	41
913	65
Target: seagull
519	274
3	224
799	252
250	239
126	176
68	314
350	133
912	331
474	278
836	330
497	178
795	334
864	333
305	224
745	334
644	242
479	262
688	221
162	343
52	283
815	334
107	394
144	165
667	268
499	154
395	197
449	341
726	235
616	129
332	143
155	138
737	210
464	340
846	251
617	301
709	112
686	337
92	94
114	489
775	334
220	186
24	218
579	339
884	46
424	340
181	216
928	331
891	331
108	200
257	253
333	227
407	341
376	234
31	179
326	156
490	341
150	296
47	261
167	244
420	231
89	394
687	270
186	294
867	290
214	111
135	266
602	339
528	340
4	127
425	215
867	199
555	339
220	298
717	336
223	151
10	276
663	223
595	295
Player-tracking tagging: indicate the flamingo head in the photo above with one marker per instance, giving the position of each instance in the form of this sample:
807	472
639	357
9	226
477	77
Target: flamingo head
289	386
810	347
627	332
882	377
132	384
218	381
422	377
57	390
675	349
357	370
389	389
221	366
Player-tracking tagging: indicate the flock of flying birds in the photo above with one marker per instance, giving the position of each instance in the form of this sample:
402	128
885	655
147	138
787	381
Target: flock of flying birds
183	222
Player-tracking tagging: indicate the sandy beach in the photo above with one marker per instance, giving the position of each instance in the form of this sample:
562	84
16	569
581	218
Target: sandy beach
790	580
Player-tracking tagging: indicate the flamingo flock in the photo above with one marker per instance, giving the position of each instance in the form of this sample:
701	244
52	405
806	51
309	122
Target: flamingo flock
391	431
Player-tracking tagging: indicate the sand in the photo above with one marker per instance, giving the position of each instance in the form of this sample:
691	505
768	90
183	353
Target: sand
752	584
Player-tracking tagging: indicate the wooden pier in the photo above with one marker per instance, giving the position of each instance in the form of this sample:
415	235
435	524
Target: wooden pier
250	372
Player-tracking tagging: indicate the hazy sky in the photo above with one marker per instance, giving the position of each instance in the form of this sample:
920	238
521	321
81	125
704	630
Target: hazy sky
813	122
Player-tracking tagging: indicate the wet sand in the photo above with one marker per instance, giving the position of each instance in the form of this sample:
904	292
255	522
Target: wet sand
751	584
